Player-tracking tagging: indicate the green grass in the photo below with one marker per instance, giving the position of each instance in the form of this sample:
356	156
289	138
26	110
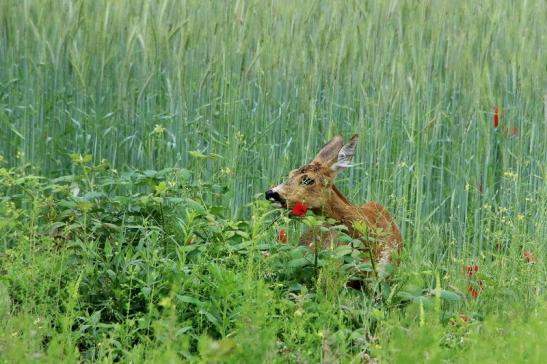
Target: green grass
184	112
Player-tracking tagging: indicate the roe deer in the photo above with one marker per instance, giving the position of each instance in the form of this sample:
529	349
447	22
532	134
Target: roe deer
313	185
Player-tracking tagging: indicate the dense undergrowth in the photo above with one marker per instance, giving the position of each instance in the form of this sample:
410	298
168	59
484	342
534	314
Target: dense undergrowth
142	266
137	138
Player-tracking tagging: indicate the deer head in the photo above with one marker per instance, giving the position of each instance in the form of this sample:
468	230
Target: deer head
313	183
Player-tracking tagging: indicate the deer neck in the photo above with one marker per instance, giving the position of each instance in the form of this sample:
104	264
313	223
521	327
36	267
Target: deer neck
339	208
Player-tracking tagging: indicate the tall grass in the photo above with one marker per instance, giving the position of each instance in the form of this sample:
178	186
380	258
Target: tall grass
240	92
264	85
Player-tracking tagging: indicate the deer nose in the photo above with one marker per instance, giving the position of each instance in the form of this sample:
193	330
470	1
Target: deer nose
273	196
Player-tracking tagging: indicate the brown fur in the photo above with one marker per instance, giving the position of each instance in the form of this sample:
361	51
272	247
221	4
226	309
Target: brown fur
325	199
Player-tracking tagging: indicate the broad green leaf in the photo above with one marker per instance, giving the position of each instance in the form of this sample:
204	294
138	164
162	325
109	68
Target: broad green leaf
450	296
298	263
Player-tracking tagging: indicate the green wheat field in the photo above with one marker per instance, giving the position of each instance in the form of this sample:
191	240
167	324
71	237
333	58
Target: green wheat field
137	139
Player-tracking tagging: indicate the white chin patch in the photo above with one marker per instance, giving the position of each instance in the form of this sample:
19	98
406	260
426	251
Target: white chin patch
278	188
277	204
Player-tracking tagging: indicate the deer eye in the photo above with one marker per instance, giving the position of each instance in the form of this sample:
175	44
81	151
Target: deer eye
307	181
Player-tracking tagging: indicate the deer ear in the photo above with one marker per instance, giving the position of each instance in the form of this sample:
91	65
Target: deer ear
345	155
329	153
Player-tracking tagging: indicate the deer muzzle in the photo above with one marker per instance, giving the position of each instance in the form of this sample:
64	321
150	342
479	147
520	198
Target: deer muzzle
274	197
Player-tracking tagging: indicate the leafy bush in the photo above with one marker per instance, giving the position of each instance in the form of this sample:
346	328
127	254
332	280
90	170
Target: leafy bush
139	264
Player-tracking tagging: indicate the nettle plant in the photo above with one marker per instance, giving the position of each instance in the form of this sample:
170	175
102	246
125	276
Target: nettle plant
123	241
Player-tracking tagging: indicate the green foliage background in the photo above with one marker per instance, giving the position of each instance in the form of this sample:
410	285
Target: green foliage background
212	102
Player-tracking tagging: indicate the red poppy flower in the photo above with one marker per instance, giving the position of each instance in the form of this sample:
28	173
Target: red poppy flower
282	236
299	209
475	290
470	270
496	118
529	257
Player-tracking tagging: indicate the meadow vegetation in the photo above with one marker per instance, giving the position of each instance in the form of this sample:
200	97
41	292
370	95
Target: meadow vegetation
137	139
